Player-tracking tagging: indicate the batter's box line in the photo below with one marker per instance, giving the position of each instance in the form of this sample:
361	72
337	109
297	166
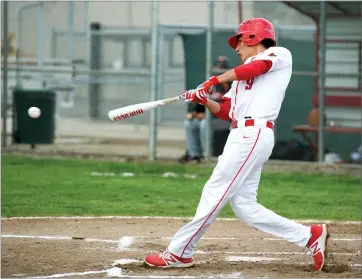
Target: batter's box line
113	273
51	237
200	252
239	238
117	271
160	217
125	242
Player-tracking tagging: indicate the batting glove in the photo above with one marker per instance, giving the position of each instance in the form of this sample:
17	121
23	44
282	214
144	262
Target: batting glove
194	96
207	86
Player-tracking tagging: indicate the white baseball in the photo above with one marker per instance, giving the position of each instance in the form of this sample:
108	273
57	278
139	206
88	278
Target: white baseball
34	112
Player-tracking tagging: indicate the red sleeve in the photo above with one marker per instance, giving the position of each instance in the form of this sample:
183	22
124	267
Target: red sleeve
223	113
252	69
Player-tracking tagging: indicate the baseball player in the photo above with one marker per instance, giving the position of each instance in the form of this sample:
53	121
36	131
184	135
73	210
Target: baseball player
252	105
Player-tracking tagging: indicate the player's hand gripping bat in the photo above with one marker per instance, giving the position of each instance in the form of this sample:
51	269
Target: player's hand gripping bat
137	109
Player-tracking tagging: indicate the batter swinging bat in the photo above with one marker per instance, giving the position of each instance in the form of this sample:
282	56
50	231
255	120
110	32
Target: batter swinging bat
133	110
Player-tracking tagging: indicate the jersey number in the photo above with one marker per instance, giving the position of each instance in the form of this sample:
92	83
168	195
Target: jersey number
249	83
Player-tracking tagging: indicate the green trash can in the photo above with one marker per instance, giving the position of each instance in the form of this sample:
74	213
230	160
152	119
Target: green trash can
29	130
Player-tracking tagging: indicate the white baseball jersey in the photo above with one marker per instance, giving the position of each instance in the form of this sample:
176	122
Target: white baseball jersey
236	177
261	97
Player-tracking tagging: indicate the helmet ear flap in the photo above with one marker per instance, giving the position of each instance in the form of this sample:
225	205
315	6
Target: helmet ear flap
248	38
267	43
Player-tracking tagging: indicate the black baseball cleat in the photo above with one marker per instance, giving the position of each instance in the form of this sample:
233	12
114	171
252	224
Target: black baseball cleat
188	159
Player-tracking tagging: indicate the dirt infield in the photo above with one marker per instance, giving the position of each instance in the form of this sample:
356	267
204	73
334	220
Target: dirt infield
115	247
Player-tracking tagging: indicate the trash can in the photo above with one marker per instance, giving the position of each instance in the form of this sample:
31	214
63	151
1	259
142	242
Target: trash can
29	130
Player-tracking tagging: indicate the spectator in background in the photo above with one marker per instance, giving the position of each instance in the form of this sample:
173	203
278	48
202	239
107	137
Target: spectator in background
195	122
11	46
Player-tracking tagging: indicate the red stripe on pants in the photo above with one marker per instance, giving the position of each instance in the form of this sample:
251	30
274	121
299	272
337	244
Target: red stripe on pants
223	196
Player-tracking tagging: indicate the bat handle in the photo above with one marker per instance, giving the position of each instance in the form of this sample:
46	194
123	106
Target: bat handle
212	90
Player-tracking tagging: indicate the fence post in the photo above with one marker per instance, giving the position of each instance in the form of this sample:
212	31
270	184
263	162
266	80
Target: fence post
321	78
5	40
70	31
161	74
210	28
87	25
40	41
95	64
155	72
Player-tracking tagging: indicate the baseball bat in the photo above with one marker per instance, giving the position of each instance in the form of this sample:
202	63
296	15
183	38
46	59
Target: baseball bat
137	109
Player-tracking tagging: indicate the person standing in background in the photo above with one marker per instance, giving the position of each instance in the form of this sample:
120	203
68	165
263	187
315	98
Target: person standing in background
195	122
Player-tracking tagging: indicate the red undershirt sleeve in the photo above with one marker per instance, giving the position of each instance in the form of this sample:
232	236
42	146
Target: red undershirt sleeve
252	69
243	72
223	113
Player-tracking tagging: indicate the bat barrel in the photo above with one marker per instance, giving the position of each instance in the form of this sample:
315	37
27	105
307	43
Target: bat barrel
133	110
120	114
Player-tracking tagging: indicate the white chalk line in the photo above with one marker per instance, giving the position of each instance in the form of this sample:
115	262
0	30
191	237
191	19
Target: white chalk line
125	242
71	274
273	253
251	259
357	253
159	217
272	260
243	239
59	238
117	271
110	274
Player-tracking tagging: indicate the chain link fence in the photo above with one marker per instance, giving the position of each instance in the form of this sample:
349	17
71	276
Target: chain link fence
52	47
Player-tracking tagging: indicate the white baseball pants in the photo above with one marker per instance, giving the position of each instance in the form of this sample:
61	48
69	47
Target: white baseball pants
235	179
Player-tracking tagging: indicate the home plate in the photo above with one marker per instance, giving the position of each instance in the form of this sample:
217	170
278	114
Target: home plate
250	259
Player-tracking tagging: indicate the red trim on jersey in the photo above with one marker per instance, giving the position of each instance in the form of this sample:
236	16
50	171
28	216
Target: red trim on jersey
223	113
223	196
236	93
252	69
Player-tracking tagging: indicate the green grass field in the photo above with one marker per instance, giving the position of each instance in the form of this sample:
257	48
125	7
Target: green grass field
54	187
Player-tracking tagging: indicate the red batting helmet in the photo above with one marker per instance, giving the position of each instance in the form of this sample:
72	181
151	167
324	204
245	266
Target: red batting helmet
253	31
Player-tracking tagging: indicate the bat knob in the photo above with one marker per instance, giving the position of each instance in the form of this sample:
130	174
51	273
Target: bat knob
212	88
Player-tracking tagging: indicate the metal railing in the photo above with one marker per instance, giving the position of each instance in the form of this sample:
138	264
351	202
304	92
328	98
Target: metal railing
73	71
